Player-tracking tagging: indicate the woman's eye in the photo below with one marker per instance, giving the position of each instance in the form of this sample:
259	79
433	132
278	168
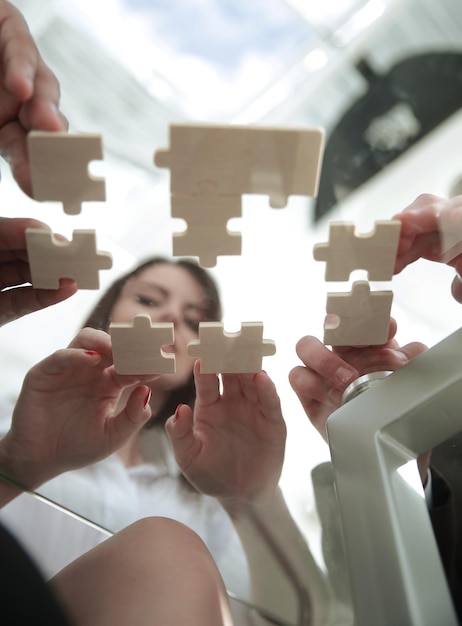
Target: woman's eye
192	324
145	301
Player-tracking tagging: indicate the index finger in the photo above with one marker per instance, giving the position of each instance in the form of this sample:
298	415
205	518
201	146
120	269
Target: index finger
325	362
431	227
416	221
207	386
19	54
268	396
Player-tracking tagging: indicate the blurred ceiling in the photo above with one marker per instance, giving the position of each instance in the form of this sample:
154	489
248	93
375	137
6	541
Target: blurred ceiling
130	67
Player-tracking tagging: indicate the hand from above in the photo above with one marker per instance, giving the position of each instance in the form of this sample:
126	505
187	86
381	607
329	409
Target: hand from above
29	93
431	228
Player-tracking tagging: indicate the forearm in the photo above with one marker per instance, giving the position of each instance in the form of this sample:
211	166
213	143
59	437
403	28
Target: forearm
286	580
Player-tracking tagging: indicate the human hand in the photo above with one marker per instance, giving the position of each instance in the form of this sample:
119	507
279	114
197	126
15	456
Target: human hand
325	374
29	93
65	416
431	228
232	447
17	299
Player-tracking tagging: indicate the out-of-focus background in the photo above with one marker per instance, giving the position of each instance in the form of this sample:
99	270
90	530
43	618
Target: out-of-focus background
382	77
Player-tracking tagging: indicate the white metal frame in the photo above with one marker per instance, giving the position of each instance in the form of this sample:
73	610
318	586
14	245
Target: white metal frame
396	572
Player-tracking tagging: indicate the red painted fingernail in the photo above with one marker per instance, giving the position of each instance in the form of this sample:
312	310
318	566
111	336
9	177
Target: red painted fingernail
91	352
147	399
175	417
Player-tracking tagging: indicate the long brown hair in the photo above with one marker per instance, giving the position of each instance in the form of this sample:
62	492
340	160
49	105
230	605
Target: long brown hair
100	318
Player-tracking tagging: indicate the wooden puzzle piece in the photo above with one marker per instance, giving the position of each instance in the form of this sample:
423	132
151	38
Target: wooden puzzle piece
231	353
59	168
347	251
363	318
137	347
237	160
206	236
51	259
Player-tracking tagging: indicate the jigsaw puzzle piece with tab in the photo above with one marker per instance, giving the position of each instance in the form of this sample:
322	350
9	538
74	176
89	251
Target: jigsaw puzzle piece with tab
137	347
51	259
346	251
277	162
59	168
207	235
221	352
362	317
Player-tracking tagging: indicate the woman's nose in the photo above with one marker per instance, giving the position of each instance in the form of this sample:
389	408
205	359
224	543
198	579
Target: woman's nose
170	313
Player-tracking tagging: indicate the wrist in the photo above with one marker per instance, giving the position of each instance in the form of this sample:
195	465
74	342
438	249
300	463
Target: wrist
237	506
18	467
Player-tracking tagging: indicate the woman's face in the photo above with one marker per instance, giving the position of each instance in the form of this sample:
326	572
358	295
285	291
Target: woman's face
168	293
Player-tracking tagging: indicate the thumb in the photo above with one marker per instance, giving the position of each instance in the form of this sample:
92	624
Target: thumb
135	414
179	428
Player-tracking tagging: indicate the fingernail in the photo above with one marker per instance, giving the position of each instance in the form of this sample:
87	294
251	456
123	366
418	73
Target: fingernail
91	352
64	282
29	73
177	413
400	356
147	399
343	375
53	107
336	396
